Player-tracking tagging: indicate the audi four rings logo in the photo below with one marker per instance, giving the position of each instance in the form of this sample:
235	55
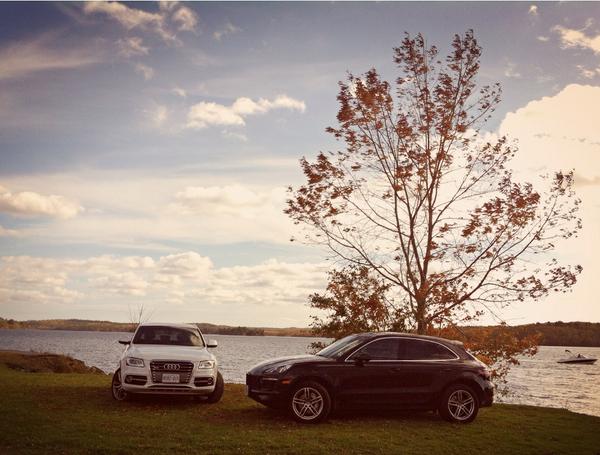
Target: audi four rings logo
171	366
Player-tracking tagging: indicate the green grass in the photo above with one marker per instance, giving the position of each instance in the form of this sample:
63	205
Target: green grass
47	413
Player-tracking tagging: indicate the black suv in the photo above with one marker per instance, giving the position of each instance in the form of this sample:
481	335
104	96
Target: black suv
380	370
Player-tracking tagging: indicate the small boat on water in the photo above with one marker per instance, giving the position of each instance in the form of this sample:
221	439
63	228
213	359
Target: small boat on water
577	359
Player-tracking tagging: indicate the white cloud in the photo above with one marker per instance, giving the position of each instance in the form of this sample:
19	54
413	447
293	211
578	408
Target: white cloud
134	210
227	29
22	58
131	18
533	10
185	278
573	38
206	114
180	92
31	204
588	73
127	17
127	283
131	47
159	115
232	199
144	70
561	132
511	71
161	23
543	39
5	232
185	19
234	135
167	5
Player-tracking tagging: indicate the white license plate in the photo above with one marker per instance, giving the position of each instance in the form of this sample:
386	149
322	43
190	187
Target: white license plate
170	378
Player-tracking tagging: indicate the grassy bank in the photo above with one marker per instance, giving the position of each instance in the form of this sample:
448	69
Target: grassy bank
74	413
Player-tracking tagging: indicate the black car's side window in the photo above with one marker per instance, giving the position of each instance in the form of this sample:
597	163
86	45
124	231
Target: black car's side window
424	350
384	349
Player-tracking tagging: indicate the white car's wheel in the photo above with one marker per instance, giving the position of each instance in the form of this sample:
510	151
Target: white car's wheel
216	394
118	392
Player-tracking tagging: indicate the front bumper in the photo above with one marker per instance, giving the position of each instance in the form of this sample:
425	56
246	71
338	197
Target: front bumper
267	390
140	380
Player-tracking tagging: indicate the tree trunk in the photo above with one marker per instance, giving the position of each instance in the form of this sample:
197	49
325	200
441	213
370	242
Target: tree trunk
420	317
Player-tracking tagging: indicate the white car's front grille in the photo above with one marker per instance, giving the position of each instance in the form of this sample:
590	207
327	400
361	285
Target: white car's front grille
158	368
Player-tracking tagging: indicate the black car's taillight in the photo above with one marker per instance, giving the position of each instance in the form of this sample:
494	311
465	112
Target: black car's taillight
485	373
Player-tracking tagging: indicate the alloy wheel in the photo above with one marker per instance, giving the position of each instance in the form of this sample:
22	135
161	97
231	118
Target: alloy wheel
307	403
461	404
118	392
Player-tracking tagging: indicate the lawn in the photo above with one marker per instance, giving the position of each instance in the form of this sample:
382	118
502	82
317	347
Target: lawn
72	413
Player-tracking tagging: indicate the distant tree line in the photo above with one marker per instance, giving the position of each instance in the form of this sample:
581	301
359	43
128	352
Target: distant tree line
108	326
551	333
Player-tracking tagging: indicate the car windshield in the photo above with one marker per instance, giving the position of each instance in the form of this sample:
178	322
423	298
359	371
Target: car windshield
341	347
170	336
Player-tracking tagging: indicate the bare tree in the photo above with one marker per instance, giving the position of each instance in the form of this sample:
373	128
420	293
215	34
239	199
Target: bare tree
418	197
139	314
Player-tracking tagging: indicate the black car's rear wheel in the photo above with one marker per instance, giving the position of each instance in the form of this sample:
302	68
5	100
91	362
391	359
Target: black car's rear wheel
118	392
309	402
459	404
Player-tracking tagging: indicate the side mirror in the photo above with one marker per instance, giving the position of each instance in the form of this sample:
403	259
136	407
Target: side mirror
211	344
124	342
361	358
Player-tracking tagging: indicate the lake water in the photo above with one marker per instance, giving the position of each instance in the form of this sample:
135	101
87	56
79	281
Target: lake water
538	381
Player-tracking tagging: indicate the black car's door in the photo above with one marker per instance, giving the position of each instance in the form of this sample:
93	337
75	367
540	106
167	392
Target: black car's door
371	381
421	371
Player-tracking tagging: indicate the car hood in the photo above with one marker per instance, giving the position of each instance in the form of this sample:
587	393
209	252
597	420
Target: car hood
294	360
161	352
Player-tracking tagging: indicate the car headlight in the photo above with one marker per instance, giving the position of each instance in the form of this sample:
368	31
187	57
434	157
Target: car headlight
278	370
134	362
206	364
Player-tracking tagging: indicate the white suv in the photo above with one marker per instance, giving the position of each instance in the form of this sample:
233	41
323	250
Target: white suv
168	359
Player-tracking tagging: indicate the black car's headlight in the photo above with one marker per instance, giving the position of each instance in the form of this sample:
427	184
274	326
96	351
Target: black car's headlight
278	369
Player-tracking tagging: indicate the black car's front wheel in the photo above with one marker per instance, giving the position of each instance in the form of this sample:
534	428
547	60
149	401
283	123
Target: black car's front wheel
309	402
118	392
459	404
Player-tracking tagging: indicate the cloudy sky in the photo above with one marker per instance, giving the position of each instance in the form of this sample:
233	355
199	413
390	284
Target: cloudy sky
145	148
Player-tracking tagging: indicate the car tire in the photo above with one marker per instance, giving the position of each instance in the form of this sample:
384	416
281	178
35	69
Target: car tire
215	395
459	404
117	387
309	402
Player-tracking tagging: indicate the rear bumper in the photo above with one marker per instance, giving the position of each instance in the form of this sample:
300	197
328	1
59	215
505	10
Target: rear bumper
487	396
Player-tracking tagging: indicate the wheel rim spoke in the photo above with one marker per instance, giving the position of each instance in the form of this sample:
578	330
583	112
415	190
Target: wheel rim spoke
307	403
461	405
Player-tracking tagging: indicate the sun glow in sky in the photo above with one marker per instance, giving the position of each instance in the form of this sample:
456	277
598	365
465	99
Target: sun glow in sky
145	148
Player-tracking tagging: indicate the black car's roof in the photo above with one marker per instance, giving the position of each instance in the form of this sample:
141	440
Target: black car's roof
409	335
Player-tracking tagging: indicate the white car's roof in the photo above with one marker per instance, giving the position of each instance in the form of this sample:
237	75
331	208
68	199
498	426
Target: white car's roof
170	324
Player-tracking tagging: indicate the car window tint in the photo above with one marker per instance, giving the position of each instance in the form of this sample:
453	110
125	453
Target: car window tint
424	350
384	349
167	336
